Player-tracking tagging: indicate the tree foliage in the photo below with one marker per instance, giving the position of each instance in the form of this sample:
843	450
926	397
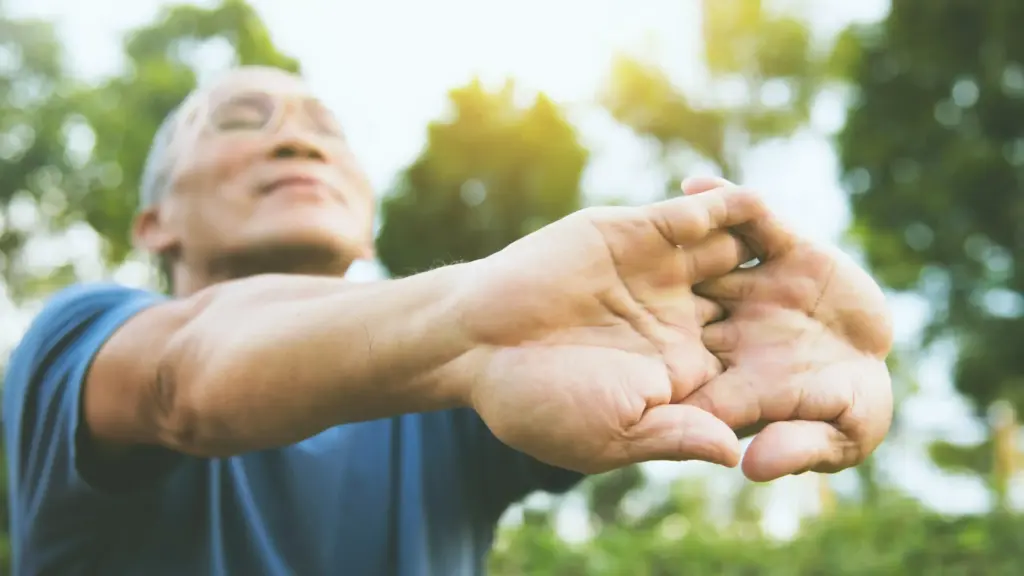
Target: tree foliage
934	160
678	539
491	172
764	73
33	159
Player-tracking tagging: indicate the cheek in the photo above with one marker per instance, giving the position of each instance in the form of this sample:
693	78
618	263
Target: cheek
212	221
216	167
367	200
214	185
359	221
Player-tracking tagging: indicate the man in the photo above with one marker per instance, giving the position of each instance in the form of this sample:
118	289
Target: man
271	418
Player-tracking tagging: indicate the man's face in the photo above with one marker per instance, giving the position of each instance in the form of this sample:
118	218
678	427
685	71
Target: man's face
262	181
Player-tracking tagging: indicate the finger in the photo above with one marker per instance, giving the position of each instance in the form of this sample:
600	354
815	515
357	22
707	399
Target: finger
766	236
825	423
708	311
690	366
731	397
735	286
799	446
675	432
721	337
686	220
719	254
699	184
689	363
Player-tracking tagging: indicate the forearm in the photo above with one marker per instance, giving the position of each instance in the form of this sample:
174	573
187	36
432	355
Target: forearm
273	360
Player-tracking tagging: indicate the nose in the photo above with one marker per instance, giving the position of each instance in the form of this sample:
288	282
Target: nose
297	148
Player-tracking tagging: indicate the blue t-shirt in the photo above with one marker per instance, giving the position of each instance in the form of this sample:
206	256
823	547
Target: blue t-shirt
412	495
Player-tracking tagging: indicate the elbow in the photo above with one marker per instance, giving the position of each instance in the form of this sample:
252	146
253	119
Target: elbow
182	419
183	410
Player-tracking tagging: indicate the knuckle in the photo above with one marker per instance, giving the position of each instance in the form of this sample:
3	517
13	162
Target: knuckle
744	195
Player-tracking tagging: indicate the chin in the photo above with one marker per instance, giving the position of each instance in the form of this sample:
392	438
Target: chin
311	235
306	249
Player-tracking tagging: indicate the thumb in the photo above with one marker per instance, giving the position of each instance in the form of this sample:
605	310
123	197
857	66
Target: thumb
699	184
678	432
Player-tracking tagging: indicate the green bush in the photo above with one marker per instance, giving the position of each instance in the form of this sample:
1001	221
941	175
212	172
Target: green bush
897	539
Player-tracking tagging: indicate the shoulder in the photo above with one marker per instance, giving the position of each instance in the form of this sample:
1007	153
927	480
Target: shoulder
83	302
71	326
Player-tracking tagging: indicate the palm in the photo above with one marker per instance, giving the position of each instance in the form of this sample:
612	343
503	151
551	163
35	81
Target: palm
804	349
806	317
599	339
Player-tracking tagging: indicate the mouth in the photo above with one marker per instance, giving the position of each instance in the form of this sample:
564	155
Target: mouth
305	186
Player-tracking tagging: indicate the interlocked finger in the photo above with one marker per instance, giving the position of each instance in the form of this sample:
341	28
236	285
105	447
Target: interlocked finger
718	255
767	237
708	311
731	288
686	220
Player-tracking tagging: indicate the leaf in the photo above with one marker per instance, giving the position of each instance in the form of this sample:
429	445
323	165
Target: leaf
492	172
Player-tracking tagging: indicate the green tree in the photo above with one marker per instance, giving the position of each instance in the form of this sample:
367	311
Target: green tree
933	155
33	159
895	538
492	172
33	163
764	73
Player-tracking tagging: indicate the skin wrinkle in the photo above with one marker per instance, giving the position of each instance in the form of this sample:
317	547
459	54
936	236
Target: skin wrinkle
833	269
632	319
643	328
164	390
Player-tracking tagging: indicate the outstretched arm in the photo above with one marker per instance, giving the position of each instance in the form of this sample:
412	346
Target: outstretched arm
565	318
271	360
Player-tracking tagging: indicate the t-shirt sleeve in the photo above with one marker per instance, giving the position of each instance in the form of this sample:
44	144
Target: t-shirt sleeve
506	475
53	474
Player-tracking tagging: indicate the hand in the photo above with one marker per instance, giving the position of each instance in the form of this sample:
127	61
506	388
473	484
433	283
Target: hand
804	348
588	333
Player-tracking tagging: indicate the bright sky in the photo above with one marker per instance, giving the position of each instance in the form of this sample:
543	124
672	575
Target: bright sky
385	67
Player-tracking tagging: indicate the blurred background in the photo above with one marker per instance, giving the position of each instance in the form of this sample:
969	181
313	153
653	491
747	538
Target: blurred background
892	129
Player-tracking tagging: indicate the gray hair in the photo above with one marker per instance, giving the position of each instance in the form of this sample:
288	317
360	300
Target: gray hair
156	173
156	176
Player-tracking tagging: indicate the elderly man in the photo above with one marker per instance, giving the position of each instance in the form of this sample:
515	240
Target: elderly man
272	418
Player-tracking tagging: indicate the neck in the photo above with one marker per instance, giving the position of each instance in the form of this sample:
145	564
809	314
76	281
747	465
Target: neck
188	280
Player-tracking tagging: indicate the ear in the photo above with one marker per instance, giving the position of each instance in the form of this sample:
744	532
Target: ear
150	234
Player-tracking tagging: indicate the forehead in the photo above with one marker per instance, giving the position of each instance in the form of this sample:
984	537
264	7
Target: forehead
262	80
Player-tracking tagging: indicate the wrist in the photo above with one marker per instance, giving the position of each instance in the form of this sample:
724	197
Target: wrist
447	328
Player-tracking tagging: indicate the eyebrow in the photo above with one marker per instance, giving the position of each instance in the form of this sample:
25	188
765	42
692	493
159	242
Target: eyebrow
251	94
